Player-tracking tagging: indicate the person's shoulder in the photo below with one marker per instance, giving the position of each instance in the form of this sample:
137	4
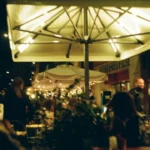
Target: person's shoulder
134	118
10	90
132	91
10	93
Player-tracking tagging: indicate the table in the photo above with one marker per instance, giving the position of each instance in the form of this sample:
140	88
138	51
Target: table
35	125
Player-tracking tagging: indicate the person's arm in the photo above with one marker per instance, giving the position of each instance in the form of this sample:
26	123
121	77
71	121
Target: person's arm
8	126
7	112
30	108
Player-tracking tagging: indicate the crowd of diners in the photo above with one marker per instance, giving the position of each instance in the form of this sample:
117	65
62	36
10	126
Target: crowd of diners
127	109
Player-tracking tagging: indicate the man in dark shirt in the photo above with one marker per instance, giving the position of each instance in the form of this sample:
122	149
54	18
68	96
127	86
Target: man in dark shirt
138	95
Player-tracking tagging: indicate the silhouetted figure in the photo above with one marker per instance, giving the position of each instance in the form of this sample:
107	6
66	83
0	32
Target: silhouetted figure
125	122
138	95
16	104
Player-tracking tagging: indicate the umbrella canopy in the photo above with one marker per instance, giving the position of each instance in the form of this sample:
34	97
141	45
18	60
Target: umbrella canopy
44	33
64	75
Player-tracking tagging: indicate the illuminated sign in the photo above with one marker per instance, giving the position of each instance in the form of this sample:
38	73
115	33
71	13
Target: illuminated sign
113	66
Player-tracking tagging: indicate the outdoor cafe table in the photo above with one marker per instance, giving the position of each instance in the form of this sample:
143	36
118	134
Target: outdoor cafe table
35	125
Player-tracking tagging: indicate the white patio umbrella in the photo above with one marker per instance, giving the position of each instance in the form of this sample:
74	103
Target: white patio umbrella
52	33
64	75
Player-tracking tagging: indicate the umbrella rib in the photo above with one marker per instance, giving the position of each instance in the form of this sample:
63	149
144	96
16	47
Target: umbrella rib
55	17
107	9
45	43
97	13
94	22
100	42
65	23
127	12
68	51
70	45
138	41
108	35
18	26
136	15
68	21
78	20
46	29
73	23
119	37
111	24
39	33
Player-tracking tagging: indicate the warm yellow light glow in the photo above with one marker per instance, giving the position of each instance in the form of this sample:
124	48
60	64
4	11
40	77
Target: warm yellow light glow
22	47
33	96
130	27
12	46
55	41
5	35
116	36
113	45
29	89
28	93
42	24
57	35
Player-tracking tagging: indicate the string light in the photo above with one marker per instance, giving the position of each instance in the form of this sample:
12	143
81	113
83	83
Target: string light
5	35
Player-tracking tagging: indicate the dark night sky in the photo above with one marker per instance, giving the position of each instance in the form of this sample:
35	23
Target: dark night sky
6	63
5	53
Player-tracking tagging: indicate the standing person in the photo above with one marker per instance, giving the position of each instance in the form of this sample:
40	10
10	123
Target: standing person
138	95
124	123
16	103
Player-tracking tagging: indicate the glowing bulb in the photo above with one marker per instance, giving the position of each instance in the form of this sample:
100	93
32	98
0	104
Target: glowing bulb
5	35
33	96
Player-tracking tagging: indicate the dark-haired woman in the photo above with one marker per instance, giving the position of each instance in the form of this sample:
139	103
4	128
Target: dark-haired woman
125	123
16	103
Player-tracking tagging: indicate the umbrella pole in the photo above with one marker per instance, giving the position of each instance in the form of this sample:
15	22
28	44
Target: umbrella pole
86	66
86	53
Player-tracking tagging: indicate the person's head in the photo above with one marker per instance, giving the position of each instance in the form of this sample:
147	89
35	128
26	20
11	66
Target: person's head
123	105
139	83
18	86
18	83
123	88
